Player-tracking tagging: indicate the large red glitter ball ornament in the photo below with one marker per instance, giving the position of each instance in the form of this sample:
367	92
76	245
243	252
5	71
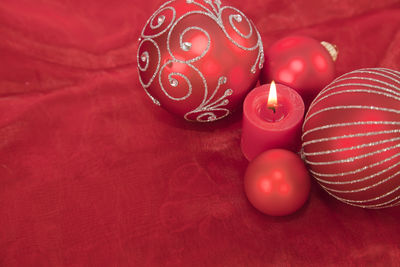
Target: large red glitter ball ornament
351	138
301	63
277	182
198	58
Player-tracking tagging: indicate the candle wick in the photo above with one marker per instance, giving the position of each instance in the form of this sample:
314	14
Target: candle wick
273	108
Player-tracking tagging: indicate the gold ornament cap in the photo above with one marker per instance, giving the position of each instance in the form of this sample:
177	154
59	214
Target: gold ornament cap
332	49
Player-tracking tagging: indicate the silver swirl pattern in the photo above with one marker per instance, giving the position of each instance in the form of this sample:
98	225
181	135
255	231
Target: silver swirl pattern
159	28
173	82
165	22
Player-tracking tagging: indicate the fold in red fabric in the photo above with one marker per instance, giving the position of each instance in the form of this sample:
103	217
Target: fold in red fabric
93	174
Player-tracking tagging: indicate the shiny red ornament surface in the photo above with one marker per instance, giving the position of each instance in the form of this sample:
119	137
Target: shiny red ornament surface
277	182
351	138
301	63
198	59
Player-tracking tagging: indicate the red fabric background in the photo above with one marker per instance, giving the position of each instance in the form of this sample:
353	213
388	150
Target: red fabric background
93	174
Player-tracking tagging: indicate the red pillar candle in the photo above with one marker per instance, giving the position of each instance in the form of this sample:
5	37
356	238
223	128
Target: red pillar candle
271	122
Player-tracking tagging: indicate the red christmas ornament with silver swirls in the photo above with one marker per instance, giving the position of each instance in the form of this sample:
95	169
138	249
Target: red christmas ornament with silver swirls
351	138
302	63
198	58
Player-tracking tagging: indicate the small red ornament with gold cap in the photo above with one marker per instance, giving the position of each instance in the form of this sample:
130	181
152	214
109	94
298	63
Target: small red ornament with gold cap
302	63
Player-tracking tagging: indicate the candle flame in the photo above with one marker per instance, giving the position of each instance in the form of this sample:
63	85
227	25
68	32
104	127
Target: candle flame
272	97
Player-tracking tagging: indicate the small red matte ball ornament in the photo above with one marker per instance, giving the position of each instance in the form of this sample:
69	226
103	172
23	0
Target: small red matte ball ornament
277	182
301	63
199	58
351	138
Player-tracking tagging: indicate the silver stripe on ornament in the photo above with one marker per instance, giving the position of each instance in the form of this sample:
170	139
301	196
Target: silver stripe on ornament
317	174
379	86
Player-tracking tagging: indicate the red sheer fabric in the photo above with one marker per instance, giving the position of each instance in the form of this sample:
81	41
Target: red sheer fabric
93	174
